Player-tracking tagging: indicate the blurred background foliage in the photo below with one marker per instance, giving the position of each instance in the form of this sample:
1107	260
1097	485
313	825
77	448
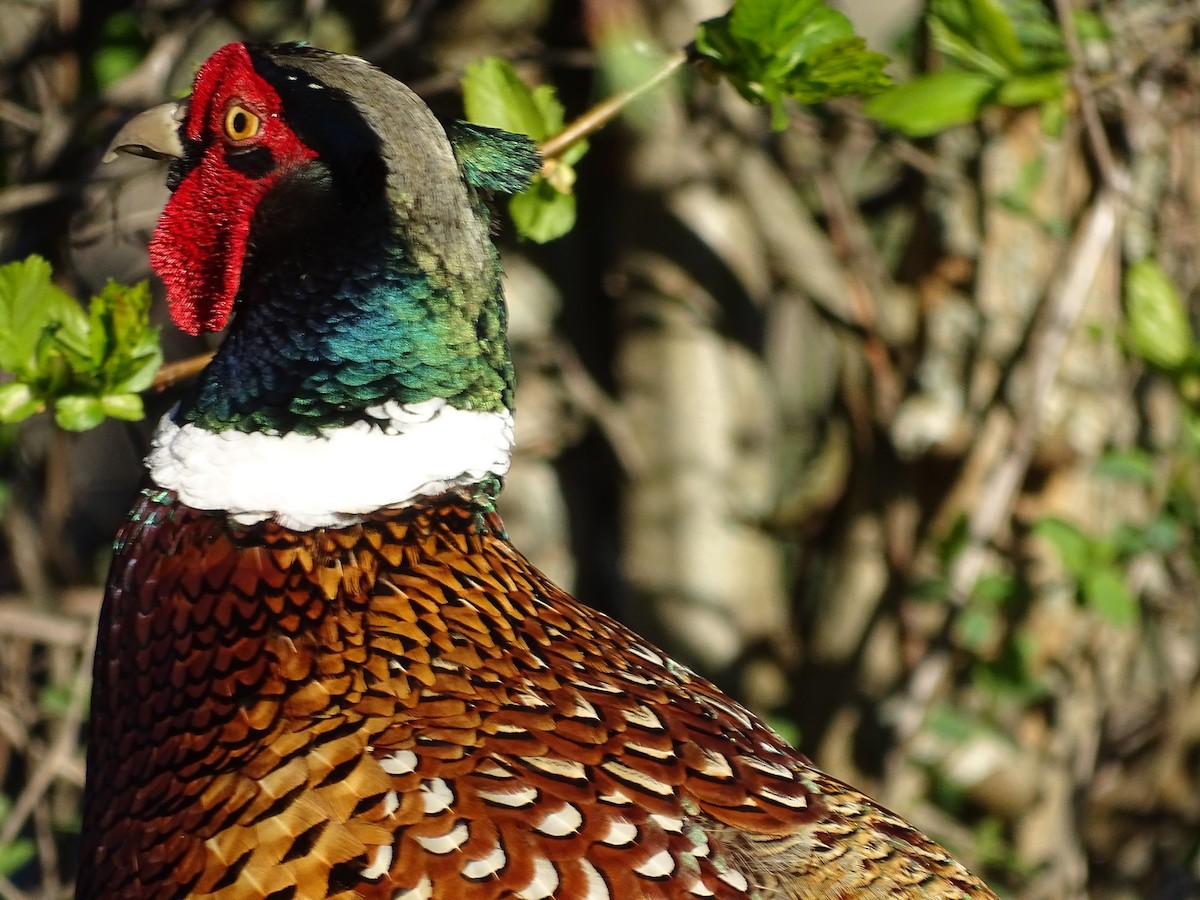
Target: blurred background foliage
888	421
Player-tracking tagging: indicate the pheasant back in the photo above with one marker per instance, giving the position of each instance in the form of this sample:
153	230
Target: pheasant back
407	708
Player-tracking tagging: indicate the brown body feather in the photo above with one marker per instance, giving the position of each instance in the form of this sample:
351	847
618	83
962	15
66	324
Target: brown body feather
407	708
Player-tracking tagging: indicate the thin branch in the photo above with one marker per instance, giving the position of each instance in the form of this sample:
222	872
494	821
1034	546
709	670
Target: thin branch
867	282
605	412
18	620
23	196
47	850
1114	175
172	373
19	116
60	750
1061	314
403	33
9	891
604	112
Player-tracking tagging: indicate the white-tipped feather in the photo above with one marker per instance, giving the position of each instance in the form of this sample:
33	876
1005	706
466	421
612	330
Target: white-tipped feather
399	763
383	861
620	833
436	796
563	821
486	866
423	891
597	887
445	843
660	865
544	882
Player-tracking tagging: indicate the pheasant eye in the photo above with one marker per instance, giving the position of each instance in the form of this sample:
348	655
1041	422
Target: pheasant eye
240	123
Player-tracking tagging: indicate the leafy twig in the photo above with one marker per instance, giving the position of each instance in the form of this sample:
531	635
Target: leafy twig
607	110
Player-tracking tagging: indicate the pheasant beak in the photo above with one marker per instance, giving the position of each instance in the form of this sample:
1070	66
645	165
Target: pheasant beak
153	134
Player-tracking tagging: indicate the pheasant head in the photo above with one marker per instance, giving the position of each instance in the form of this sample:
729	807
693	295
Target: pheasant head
319	210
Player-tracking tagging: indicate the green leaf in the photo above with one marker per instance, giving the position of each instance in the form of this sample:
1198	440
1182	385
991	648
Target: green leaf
770	23
1053	115
29	304
1133	465
1026	90
771	49
1159	329
1002	38
977	626
54	700
1011	675
78	412
1004	51
136	373
1076	549
994	588
63	356
1040	35
15	854
978	34
543	213
121	50
834	70
17	402
123	406
1105	593
1091	27
930	103
1161	534
955	541
952	724
125	347
630	58
931	589
494	95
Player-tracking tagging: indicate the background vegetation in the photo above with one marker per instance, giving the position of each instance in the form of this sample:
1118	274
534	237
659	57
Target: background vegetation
889	420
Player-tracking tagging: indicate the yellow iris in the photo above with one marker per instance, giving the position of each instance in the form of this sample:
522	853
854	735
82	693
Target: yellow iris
240	123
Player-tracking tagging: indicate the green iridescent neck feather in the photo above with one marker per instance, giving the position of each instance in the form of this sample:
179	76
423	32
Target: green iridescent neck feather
312	348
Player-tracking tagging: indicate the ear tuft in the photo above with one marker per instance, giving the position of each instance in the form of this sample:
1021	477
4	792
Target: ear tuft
493	159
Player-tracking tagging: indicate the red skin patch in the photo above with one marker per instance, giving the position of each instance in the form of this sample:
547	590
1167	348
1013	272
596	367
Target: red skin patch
200	242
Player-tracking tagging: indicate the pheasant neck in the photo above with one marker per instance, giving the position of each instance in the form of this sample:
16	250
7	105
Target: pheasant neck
367	381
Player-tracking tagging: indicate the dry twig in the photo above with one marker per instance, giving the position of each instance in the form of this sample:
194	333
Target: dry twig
994	506
63	747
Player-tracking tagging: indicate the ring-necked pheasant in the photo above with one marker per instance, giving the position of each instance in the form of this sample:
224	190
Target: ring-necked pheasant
323	670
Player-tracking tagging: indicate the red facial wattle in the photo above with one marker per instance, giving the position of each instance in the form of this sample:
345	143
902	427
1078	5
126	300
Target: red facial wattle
199	245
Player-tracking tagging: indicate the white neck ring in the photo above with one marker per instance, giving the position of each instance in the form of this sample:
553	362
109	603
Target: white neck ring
335	477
